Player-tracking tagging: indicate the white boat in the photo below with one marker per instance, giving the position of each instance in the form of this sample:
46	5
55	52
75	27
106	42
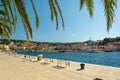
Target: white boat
90	50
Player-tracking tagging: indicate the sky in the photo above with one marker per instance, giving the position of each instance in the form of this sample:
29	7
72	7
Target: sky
79	26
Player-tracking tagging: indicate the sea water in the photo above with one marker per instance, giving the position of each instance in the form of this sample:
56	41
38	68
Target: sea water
102	58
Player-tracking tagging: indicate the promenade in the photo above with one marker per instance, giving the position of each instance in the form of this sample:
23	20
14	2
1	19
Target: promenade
15	68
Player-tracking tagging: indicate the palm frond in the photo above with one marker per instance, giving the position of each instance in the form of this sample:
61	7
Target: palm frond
2	12
14	7
109	7
51	10
5	20
36	15
6	9
26	31
23	13
55	12
3	32
55	9
89	4
90	7
12	14
56	2
6	27
82	2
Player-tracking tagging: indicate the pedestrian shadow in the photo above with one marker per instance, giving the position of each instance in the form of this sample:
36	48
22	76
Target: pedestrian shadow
33	61
45	63
58	67
79	69
98	79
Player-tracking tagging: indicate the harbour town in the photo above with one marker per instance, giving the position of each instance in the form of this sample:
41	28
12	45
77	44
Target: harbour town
105	45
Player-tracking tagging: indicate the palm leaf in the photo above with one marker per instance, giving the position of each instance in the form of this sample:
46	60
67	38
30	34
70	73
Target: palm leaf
14	7
36	15
109	6
3	32
6	10
6	27
51	10
89	4
81	3
23	13
2	12
5	20
56	2
55	9
26	31
12	14
55	12
90	7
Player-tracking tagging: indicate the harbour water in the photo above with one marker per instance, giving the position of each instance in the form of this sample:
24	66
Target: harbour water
102	58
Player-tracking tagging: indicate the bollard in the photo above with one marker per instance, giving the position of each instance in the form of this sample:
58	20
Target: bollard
39	57
82	66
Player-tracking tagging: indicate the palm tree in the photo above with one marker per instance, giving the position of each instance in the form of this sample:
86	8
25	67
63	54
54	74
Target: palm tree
109	8
10	7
